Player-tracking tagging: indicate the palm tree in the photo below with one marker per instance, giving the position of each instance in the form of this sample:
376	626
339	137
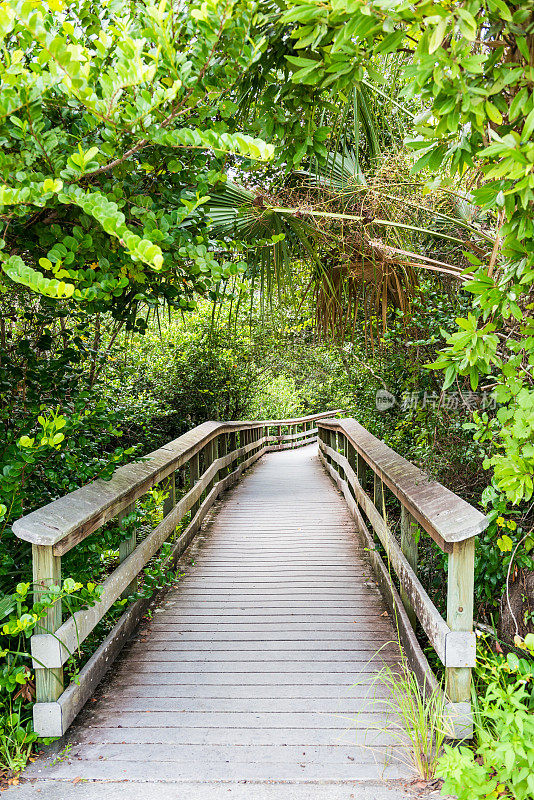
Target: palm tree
358	218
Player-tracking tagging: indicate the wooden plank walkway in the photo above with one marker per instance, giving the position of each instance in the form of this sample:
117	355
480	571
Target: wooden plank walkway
260	664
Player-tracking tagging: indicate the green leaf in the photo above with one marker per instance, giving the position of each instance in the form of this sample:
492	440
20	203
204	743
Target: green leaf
19	272
467	24
493	112
438	34
528	127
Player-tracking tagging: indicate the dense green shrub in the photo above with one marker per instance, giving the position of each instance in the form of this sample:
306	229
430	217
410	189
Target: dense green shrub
502	761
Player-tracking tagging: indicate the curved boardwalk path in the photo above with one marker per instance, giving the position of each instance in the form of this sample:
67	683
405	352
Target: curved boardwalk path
255	678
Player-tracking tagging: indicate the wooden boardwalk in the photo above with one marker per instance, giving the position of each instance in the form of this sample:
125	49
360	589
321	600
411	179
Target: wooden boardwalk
260	664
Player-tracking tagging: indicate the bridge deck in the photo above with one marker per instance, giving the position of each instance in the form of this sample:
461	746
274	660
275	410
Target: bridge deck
260	665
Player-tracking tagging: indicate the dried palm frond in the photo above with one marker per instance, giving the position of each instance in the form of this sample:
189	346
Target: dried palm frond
357	234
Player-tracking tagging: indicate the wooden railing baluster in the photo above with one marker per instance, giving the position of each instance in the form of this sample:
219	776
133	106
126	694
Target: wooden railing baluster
378	495
361	471
409	546
194	472
460	591
127	546
210	458
217	454
46	573
170	500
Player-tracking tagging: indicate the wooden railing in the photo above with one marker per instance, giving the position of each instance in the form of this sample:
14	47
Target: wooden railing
204	462
353	457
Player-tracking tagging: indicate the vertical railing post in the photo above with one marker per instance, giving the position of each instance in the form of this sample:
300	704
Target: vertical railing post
201	470
345	451
409	546
209	459
341	450
361	469
334	445
378	495
47	573
216	454
170	500
460	591
194	469
351	458
127	546
331	444
231	448
238	444
223	450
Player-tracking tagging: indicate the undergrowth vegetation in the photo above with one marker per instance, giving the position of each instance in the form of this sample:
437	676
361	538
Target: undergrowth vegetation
501	764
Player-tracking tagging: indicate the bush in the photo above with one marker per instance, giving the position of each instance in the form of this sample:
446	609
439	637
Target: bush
501	764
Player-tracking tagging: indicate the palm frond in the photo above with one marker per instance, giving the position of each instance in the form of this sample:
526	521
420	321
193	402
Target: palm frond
339	171
273	238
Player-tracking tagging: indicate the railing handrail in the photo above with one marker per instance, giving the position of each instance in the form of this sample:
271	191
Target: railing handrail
349	452
444	515
88	508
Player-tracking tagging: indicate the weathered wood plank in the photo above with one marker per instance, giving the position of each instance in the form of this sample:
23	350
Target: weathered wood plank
47	573
444	515
250	651
249	754
299	677
240	664
325	641
176	735
243	692
227	770
347	704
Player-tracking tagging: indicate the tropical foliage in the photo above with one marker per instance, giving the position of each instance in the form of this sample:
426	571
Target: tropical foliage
470	66
503	762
